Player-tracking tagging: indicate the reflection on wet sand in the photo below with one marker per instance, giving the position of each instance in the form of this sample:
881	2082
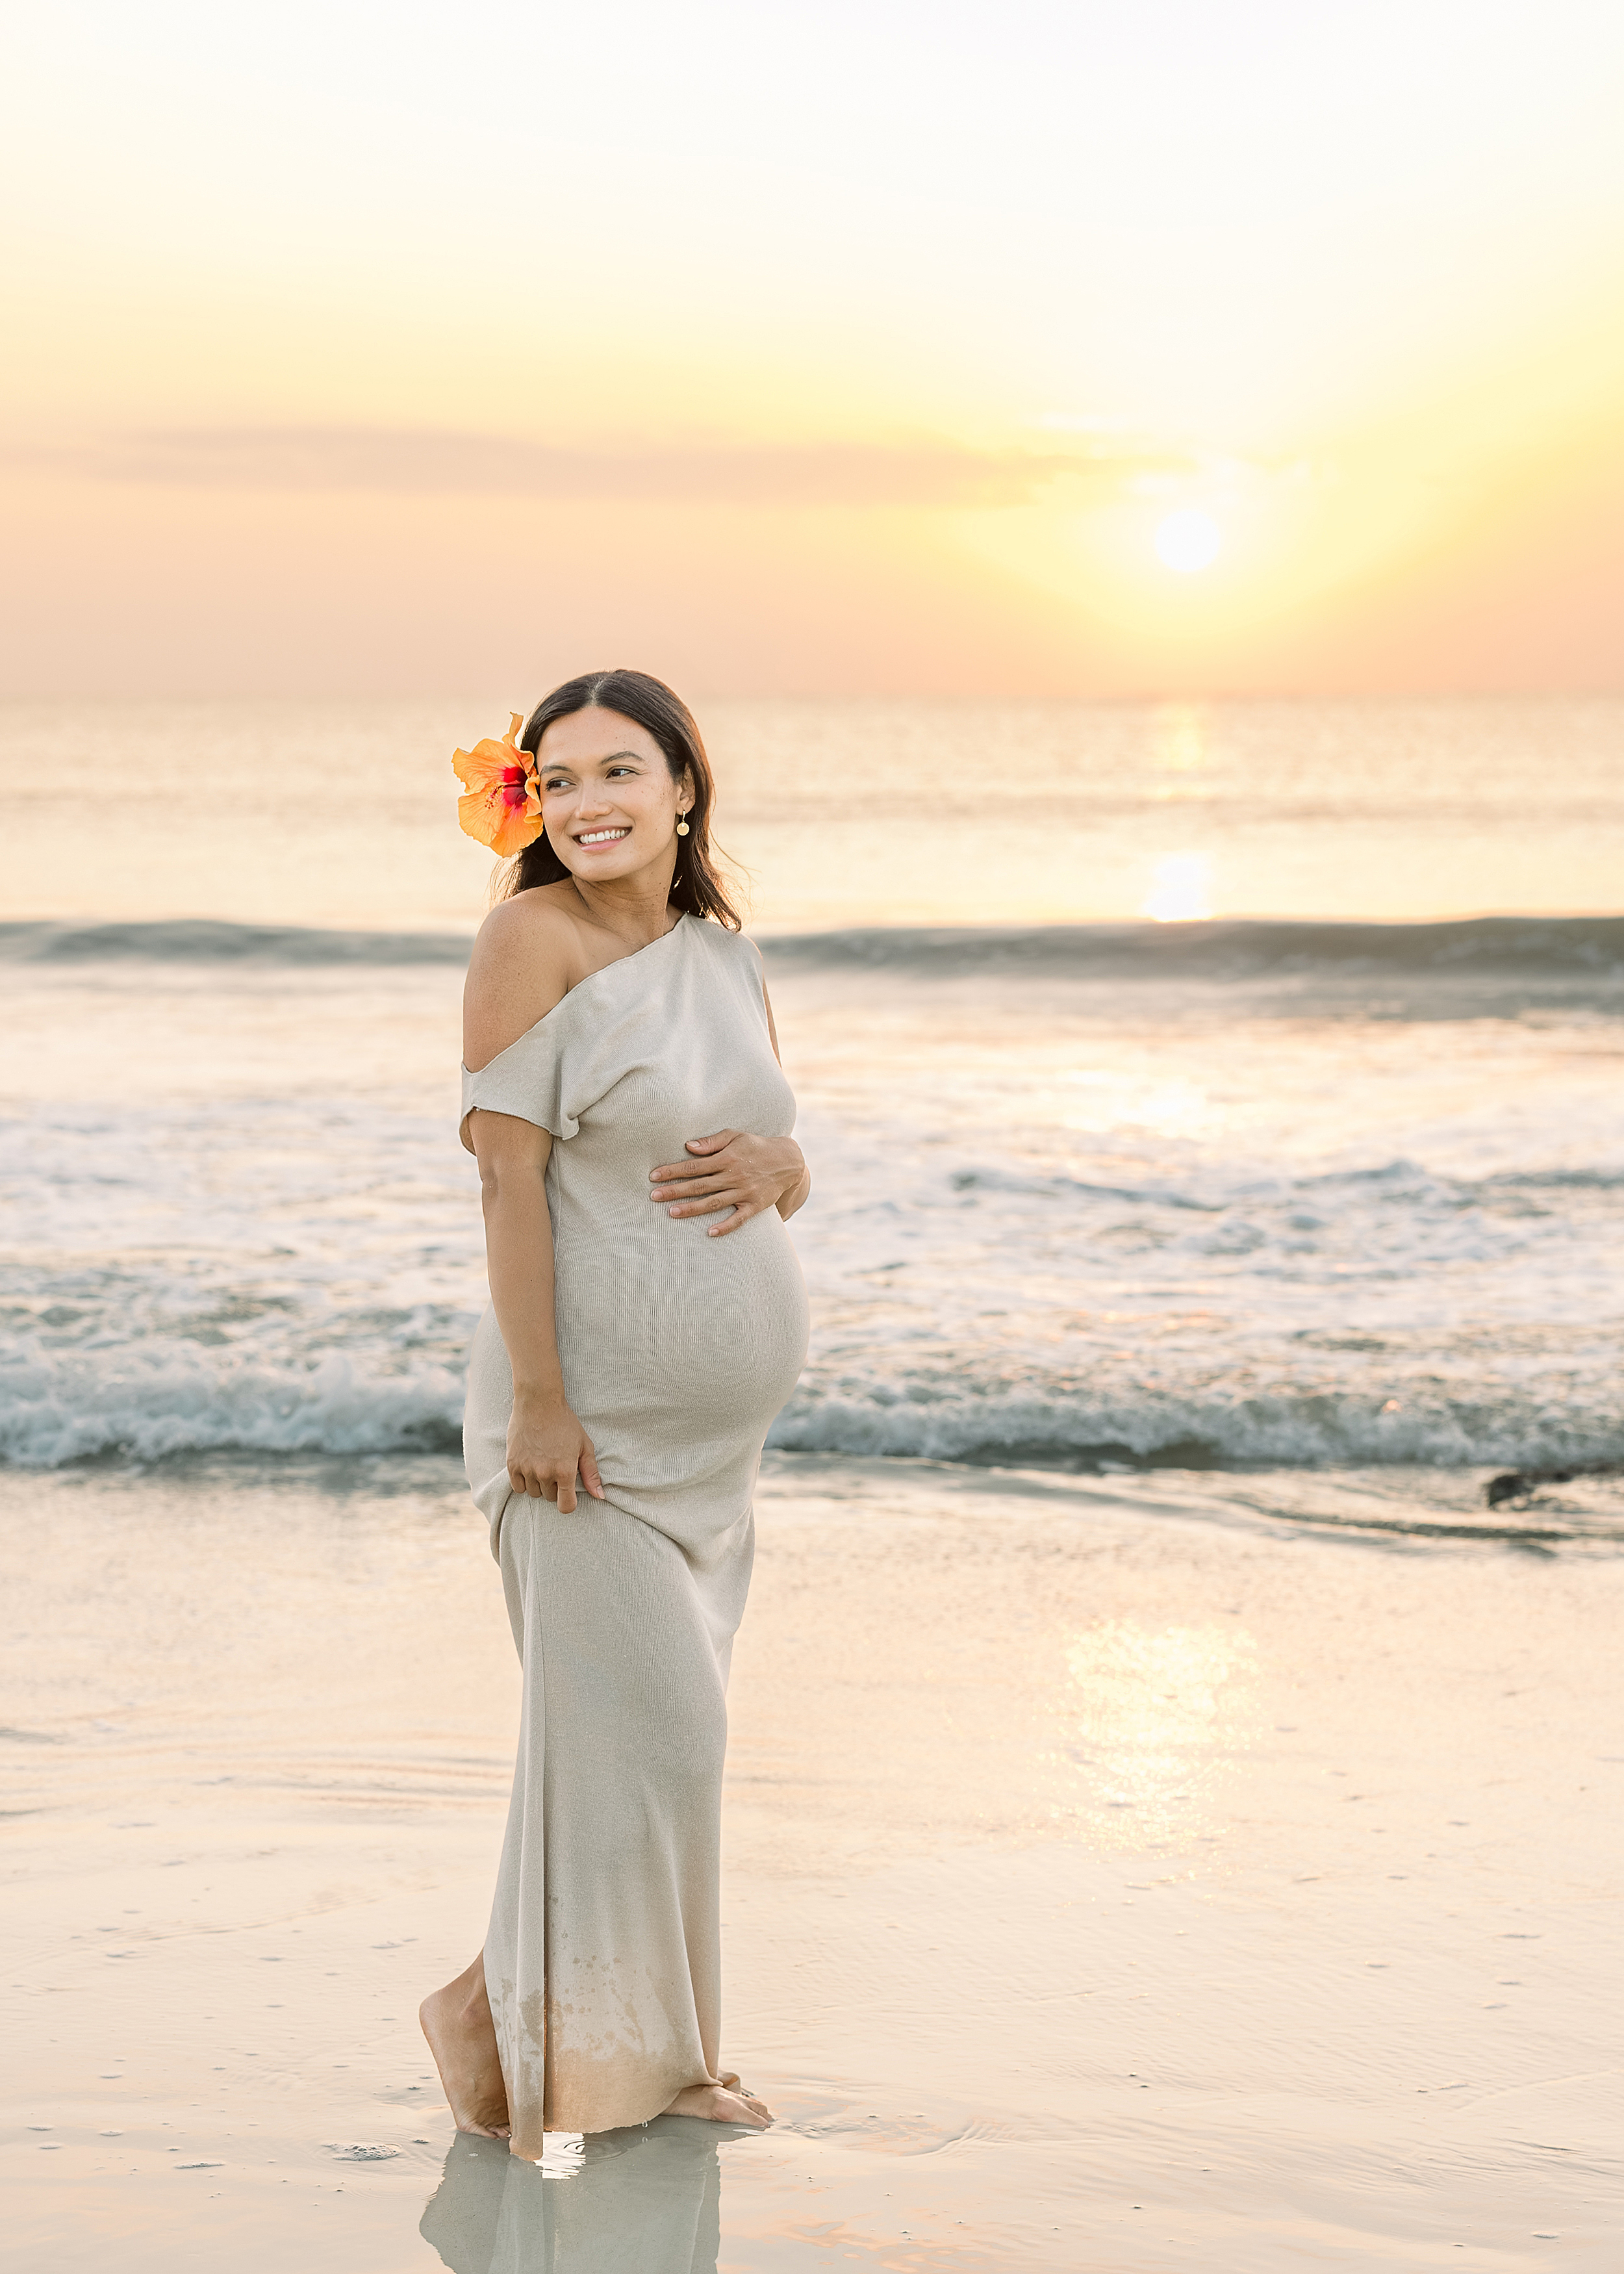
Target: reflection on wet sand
1168	1712
645	2200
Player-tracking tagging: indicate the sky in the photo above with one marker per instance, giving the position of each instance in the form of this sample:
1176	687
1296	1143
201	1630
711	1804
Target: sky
1178	348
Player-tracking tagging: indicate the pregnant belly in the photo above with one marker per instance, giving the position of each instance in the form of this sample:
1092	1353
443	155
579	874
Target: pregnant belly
684	1342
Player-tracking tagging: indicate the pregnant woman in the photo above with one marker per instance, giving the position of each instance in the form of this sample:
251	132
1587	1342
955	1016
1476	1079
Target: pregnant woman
622	1093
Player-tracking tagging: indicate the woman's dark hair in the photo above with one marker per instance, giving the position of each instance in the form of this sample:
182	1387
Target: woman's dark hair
649	703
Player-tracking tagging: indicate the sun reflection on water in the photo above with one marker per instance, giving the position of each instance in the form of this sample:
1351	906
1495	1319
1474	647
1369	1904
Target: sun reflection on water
1113	1099
1179	751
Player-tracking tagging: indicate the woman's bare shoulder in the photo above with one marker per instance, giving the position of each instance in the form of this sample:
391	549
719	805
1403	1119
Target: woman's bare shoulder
524	962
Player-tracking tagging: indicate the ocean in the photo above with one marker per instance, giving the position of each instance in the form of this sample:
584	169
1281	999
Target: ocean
1317	1167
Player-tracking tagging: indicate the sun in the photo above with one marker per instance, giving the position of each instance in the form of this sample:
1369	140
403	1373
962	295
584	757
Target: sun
1188	540
1183	890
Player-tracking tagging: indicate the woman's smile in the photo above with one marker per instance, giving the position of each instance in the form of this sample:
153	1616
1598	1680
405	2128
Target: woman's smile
603	836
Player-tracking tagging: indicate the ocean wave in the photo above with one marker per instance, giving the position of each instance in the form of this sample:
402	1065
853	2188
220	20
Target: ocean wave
86	1404
1401	1194
202	940
63	1407
1586	950
1289	1426
1491	963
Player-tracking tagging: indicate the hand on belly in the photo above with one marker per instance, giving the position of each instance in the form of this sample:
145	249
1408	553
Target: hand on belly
733	1171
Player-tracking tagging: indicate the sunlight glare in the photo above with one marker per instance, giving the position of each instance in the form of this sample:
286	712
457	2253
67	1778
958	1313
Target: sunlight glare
1182	889
1188	540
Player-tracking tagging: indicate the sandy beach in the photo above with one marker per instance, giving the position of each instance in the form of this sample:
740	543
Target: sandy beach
1120	1875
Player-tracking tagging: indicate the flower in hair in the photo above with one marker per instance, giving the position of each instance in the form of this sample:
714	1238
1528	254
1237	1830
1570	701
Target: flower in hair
503	806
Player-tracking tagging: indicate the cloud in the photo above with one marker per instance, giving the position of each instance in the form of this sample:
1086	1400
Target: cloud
427	462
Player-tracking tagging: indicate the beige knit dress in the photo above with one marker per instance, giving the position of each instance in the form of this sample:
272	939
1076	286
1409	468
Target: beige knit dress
603	1958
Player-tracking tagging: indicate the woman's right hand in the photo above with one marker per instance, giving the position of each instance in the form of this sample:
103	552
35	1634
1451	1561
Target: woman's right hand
547	1447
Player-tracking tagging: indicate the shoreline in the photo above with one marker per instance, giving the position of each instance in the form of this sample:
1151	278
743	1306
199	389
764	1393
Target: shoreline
1076	1857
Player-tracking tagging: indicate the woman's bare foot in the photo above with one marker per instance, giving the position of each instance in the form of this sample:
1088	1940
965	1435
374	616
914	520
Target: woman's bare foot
721	2107
456	2021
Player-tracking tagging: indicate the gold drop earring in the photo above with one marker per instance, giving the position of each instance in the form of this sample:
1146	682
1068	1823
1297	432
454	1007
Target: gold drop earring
682	824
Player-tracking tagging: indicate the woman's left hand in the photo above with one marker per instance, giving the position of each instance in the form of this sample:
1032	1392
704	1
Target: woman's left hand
735	1171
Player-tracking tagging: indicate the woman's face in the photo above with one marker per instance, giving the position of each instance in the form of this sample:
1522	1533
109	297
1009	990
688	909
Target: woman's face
607	797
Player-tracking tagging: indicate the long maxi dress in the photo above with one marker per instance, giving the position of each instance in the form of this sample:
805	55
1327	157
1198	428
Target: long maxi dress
602	1957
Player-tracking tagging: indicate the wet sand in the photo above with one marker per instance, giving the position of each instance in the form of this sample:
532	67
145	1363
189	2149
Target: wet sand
1119	1876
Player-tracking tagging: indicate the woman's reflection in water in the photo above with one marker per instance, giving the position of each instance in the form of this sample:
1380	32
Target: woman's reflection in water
645	2200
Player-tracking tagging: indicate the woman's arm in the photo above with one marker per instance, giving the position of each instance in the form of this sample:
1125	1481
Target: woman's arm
520	968
546	1445
800	1192
744	1173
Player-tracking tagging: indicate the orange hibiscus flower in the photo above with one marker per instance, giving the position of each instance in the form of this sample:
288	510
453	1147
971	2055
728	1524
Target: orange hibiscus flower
503	806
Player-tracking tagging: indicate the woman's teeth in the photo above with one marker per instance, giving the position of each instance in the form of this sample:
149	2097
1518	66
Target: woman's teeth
601	836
